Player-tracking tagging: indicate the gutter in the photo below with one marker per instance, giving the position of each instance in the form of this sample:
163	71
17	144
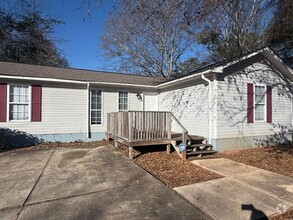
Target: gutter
292	116
123	84
210	106
163	85
160	86
42	79
75	81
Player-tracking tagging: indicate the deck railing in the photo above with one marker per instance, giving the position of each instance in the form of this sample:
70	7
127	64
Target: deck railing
142	125
139	125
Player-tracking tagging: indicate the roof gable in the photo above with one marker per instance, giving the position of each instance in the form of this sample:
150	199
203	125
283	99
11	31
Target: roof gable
237	63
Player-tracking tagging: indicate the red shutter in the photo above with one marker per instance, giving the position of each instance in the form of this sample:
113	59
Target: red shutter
3	102
269	104
36	103
250	99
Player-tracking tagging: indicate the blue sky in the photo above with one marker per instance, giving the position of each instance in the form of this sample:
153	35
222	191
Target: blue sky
80	33
79	36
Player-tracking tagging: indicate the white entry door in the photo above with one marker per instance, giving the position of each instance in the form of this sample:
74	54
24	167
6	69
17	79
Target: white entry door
150	102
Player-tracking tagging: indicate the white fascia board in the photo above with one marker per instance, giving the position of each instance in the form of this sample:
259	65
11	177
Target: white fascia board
42	79
74	81
242	58
272	54
123	84
166	84
267	53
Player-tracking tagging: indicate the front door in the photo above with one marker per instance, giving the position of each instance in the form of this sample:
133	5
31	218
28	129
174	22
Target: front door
150	102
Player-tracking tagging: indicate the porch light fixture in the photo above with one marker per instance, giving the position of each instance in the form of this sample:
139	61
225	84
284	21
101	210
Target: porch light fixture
139	96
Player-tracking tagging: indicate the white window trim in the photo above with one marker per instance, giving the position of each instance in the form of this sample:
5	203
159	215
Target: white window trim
127	101
8	102
102	108
265	105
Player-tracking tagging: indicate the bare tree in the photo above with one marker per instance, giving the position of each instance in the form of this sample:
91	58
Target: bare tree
26	36
234	27
150	37
279	34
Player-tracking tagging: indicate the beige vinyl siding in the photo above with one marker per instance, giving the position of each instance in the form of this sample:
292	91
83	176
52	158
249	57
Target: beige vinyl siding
232	102
64	110
110	104
190	107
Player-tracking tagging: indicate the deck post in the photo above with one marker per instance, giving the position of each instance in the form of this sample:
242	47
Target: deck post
108	123
183	137
130	128
130	149
168	148
184	155
107	137
116	143
169	126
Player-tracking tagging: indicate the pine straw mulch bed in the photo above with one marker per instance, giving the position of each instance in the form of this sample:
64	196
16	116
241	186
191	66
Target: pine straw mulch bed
169	168
285	216
278	159
174	172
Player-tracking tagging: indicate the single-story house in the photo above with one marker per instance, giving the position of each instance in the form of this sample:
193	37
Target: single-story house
239	103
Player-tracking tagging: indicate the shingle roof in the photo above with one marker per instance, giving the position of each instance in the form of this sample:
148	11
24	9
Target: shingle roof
27	70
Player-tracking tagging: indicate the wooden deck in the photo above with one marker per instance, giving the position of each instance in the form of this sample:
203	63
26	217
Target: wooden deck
141	128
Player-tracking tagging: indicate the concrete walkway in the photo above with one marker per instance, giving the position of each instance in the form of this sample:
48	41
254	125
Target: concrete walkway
91	183
245	192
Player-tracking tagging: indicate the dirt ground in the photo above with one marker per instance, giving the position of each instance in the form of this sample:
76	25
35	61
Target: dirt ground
59	144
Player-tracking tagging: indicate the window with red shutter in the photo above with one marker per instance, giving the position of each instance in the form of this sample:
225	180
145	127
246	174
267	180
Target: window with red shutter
269	103
259	103
3	102
250	103
18	102
36	108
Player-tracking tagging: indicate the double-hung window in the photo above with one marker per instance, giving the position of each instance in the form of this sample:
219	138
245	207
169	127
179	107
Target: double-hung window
123	101
19	101
96	107
260	101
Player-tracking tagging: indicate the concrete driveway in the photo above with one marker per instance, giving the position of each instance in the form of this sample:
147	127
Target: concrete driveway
91	183
245	192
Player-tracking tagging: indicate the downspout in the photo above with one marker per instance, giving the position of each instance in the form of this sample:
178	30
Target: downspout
291	115
88	110
210	107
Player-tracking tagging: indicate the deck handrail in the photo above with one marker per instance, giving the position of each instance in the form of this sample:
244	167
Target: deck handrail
143	125
178	122
184	130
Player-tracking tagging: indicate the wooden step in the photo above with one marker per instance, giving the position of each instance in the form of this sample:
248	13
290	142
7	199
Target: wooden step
195	147
190	153
190	139
199	147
